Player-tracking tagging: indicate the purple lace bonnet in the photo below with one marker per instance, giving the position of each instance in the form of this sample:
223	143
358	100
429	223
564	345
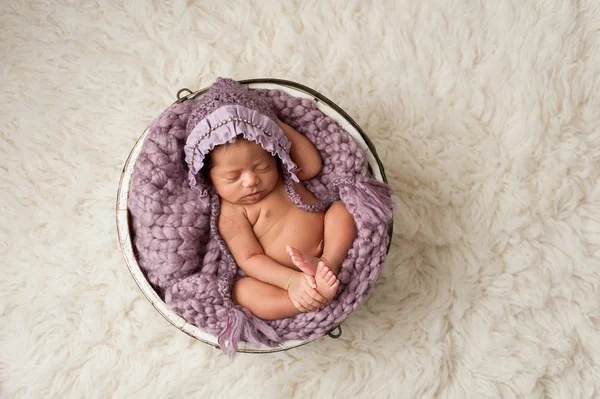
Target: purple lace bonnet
236	112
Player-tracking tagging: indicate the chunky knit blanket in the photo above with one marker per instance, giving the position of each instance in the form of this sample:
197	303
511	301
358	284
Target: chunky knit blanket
183	256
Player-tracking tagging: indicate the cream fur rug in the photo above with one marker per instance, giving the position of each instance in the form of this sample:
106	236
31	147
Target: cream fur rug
486	115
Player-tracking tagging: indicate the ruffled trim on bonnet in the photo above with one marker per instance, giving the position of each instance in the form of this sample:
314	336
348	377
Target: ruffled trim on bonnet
225	124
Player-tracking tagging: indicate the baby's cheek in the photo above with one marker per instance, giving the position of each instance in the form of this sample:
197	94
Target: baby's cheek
231	192
273	178
220	188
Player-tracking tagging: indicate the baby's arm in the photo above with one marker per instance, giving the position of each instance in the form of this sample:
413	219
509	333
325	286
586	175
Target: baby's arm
304	153
250	257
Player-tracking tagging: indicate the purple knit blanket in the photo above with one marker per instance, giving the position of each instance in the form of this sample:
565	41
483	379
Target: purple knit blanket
183	256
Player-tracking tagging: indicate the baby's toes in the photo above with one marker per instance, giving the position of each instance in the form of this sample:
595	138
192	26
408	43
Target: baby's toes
320	266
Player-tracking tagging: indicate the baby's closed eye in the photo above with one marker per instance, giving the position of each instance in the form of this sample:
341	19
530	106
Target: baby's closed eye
230	177
262	168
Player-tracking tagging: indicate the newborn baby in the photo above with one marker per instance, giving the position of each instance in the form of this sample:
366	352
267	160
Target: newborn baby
238	146
291	256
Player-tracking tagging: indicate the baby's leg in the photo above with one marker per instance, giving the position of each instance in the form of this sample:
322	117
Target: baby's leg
263	300
340	232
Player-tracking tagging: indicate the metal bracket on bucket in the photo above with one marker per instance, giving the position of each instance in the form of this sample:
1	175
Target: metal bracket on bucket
333	335
183	98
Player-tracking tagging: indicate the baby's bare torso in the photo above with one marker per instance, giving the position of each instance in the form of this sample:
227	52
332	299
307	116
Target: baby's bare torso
277	222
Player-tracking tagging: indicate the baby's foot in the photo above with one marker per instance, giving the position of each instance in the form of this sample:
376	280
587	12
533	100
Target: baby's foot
327	282
308	264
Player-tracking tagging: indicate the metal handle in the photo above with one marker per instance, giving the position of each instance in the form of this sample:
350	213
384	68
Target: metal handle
335	335
179	98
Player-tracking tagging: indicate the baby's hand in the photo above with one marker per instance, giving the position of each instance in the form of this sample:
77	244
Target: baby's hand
303	293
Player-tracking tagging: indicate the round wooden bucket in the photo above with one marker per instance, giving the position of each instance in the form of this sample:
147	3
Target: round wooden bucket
123	217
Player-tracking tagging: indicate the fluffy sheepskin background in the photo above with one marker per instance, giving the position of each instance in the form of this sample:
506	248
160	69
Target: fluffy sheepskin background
486	115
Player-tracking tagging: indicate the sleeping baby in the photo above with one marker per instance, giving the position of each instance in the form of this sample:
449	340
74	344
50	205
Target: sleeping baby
256	164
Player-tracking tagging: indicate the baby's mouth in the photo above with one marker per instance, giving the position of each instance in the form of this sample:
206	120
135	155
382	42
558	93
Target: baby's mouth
254	195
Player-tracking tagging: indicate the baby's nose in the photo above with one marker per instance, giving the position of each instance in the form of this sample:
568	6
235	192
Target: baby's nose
251	180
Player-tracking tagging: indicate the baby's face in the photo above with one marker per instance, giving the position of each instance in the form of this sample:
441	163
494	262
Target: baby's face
243	172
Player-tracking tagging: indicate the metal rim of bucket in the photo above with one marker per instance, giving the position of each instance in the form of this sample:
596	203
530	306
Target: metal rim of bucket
326	106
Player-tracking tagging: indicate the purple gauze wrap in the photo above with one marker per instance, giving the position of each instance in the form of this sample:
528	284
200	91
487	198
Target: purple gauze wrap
175	226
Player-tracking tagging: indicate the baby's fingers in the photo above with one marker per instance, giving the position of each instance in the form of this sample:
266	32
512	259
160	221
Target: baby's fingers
309	303
299	307
311	280
318	298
